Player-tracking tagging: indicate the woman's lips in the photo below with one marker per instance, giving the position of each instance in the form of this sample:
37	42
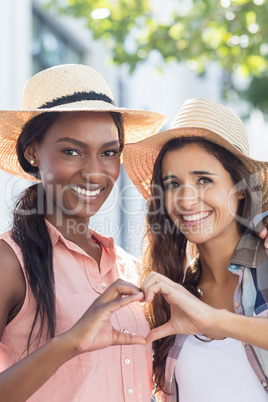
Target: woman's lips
195	218
86	195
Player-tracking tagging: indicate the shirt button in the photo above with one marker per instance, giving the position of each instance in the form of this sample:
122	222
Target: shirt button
103	285
233	266
127	361
237	304
130	391
125	331
264	384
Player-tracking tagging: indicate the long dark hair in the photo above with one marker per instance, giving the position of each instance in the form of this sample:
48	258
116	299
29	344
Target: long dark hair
166	248
29	228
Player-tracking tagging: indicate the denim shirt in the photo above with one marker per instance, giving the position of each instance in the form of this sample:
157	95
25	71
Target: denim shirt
250	263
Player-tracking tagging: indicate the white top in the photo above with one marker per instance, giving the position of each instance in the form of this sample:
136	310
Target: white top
216	371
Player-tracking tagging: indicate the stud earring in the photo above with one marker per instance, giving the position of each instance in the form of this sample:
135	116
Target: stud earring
31	161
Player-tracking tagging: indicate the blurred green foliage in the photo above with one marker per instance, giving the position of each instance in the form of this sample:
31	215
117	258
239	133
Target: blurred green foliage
232	33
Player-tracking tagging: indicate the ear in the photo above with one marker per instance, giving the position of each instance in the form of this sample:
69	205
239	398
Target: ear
241	195
30	155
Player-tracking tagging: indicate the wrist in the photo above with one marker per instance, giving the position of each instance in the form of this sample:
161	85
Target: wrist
223	322
64	345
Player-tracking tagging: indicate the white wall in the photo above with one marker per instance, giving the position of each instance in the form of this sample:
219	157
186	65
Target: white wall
15	69
15	66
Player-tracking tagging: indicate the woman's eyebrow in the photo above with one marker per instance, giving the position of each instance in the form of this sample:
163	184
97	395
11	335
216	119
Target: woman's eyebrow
169	176
199	172
194	173
110	144
83	144
72	140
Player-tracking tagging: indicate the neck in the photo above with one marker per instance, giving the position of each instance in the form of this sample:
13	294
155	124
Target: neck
215	257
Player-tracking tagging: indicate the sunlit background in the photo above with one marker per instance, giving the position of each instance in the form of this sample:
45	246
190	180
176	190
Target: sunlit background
154	55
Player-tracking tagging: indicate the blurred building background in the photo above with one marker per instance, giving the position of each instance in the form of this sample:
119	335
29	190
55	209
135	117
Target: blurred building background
33	38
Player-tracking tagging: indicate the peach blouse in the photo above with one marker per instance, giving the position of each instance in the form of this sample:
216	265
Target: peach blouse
113	374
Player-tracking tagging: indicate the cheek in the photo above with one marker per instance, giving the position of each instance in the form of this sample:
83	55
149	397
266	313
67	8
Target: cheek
224	202
114	170
56	172
233	204
170	204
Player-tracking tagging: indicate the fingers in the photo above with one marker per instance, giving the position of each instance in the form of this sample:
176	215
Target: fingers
160	332
263	233
94	329
115	305
155	283
117	295
118	289
128	339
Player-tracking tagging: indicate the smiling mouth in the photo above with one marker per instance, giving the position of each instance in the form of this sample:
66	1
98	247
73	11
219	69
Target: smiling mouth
87	193
195	217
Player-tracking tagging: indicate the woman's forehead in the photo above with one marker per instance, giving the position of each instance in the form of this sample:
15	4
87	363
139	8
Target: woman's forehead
192	157
84	126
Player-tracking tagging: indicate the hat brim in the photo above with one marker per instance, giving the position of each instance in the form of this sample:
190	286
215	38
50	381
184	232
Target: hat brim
138	124
139	158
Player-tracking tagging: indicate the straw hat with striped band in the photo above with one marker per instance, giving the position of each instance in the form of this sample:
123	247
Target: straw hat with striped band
197	118
65	88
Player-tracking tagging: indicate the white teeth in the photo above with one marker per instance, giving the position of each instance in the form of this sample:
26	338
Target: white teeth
196	217
88	193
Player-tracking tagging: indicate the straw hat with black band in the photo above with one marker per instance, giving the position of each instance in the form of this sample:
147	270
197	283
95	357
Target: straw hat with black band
197	118
68	88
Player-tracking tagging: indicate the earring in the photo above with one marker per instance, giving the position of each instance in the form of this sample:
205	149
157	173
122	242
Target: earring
31	161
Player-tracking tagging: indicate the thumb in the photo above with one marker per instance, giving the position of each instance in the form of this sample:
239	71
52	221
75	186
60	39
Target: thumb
128	339
160	332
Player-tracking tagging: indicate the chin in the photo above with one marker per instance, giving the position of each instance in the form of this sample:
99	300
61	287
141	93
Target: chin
198	238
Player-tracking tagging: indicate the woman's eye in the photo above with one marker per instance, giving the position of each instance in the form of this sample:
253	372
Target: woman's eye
204	180
110	153
172	185
71	152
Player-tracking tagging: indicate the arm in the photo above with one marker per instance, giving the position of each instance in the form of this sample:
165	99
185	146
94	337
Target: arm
93	331
190	315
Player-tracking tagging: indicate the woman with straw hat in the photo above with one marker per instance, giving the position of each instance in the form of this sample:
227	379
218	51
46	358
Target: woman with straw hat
210	321
62	291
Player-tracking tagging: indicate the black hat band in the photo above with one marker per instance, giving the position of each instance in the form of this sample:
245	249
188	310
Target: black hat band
77	97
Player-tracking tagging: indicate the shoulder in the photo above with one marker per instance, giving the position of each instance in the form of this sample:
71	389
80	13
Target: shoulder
7	252
12	283
129	264
255	245
10	265
255	277
250	251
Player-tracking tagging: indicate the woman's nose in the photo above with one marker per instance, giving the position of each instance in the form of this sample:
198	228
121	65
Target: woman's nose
187	197
92	169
